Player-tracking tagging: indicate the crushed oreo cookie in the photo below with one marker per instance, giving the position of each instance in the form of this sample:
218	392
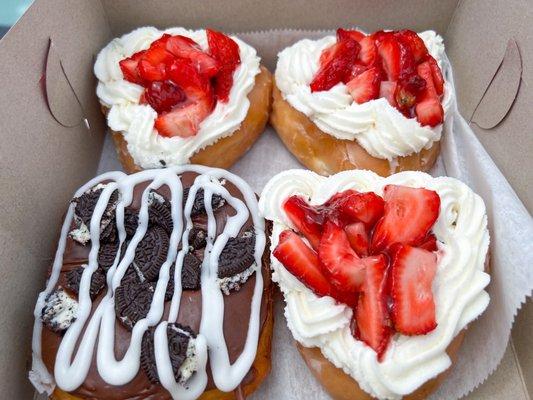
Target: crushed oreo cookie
198	207
181	349
60	311
151	252
132	302
191	272
131	221
98	280
197	238
161	215
107	254
237	255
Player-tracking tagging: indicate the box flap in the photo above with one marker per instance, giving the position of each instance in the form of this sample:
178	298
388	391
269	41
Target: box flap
241	16
47	152
489	44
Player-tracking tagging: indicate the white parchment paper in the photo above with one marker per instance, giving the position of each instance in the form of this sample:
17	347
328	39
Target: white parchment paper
462	157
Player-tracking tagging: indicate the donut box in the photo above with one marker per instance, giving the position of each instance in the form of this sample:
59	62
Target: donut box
54	140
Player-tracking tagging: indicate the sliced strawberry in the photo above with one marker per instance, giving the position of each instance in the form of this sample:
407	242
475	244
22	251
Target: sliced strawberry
413	271
380	36
429	110
436	74
365	86
355	70
358	238
429	243
415	44
346	269
153	64
387	90
343	34
226	51
162	96
364	207
369	51
306	219
409	215
340	59
184	47
128	66
302	262
372	319
389	50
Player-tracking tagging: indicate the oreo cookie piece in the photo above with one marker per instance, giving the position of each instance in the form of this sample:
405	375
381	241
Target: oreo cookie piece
191	272
86	203
160	214
132	302
181	349
107	254
237	255
60	311
199	205
151	252
98	281
197	238
131	221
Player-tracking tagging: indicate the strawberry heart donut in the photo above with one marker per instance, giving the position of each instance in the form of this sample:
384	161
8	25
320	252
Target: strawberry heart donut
381	276
358	101
177	96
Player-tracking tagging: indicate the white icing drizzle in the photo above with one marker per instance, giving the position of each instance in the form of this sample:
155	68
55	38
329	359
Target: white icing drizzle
71	368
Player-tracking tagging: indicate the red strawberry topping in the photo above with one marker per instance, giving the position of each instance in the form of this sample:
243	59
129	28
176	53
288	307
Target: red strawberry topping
346	269
128	66
390	65
350	232
337	67
162	96
409	215
358	238
181	80
365	86
413	271
226	52
302	262
371	315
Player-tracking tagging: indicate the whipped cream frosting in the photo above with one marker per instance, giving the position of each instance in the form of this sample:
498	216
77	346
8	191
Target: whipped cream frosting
458	288
136	121
379	128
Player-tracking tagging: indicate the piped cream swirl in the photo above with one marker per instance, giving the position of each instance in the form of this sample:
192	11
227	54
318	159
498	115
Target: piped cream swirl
410	361
377	126
136	121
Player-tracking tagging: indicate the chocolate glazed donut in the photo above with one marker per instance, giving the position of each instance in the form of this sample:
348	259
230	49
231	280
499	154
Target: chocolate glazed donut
146	236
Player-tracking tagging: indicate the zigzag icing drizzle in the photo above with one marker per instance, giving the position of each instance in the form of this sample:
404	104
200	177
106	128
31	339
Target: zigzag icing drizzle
71	368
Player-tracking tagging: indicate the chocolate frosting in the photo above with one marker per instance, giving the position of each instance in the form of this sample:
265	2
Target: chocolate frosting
236	317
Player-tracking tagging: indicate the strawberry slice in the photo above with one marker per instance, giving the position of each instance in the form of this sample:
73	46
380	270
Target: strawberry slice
413	271
409	215
429	243
184	47
185	120
346	269
128	66
369	51
341	56
344	34
429	110
387	90
365	86
355	70
302	262
415	44
306	219
389	50
364	207
153	64
436	74
371	316
226	51
358	238
162	96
